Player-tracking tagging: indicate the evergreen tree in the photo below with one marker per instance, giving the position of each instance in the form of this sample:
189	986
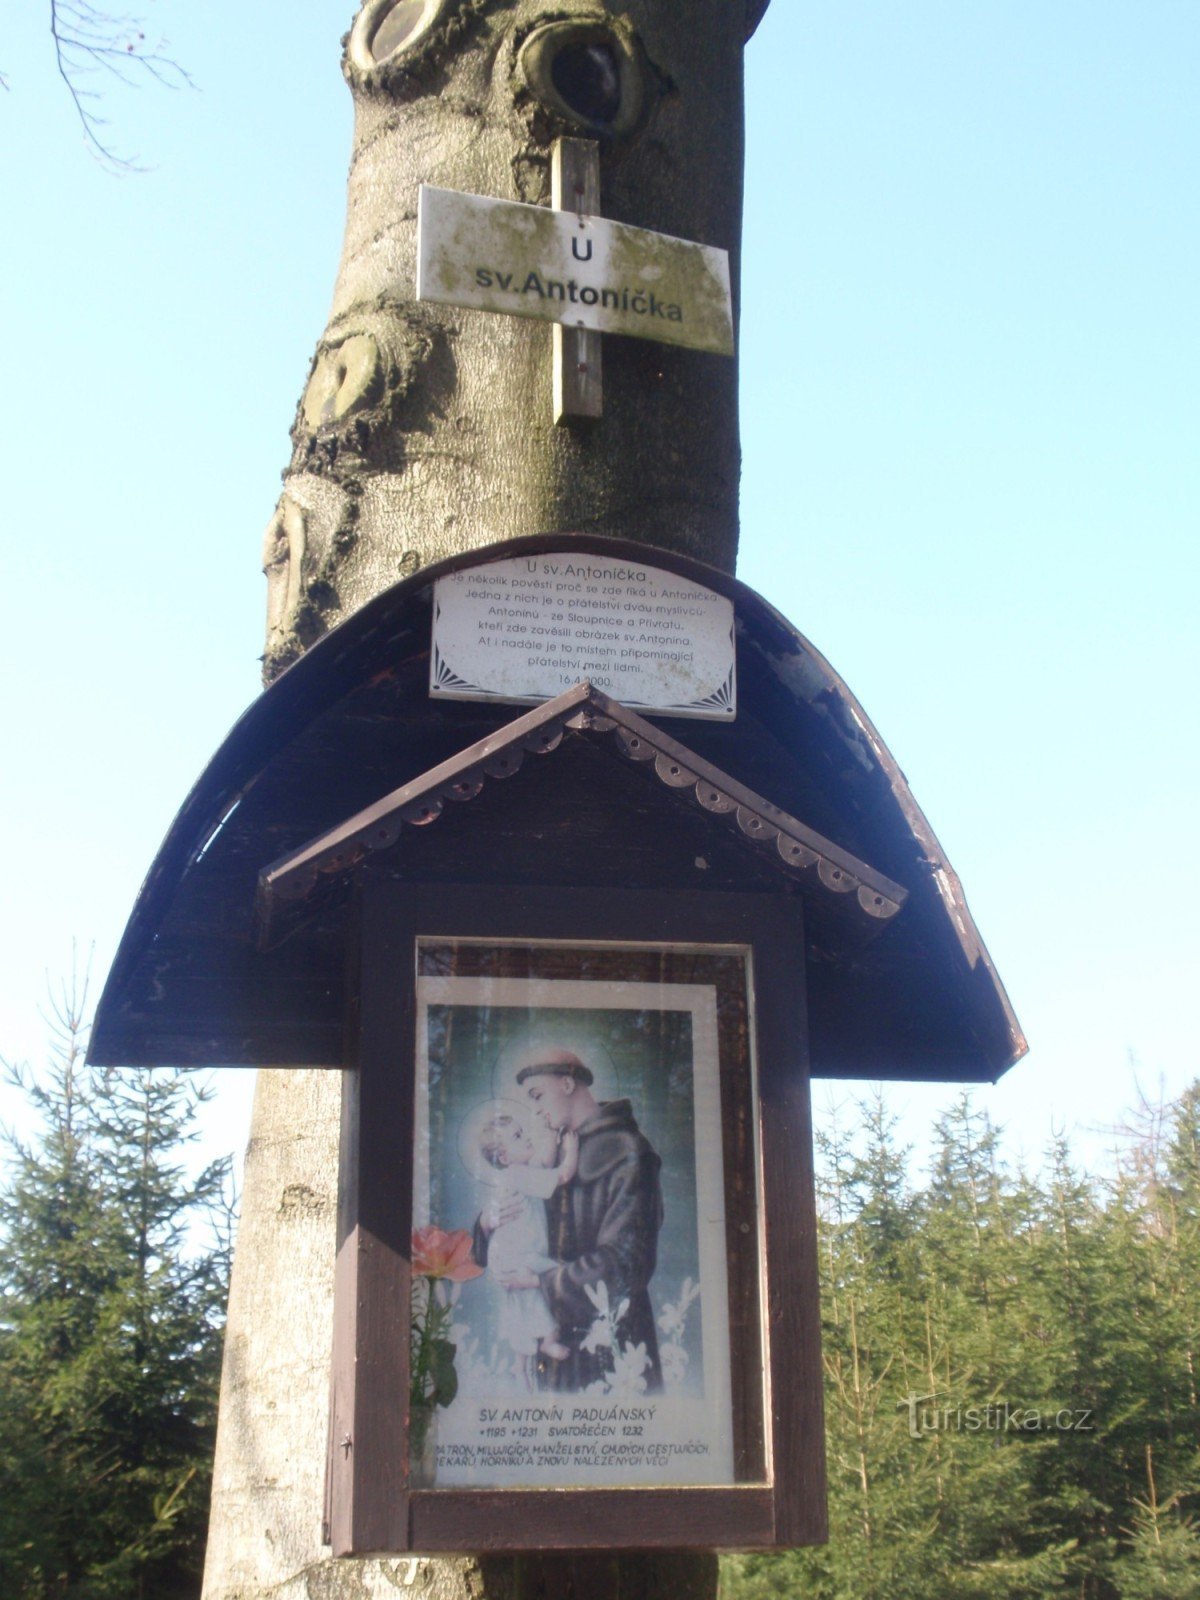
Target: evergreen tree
998	1533
110	1317
1181	1204
1162	1560
1066	1293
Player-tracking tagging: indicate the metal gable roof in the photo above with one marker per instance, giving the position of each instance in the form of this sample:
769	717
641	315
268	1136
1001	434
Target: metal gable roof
870	897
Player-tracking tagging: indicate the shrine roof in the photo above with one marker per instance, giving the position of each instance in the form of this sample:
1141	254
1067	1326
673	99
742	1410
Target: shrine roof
756	10
867	896
348	738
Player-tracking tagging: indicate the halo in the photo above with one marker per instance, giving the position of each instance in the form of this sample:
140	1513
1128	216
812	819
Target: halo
472	1126
586	1041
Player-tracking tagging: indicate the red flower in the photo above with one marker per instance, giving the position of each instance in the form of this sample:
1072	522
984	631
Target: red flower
436	1254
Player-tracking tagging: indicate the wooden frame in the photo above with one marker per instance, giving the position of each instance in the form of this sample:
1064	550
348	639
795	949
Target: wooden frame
371	1506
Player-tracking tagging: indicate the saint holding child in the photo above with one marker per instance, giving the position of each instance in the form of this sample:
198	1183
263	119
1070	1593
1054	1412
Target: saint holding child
529	1165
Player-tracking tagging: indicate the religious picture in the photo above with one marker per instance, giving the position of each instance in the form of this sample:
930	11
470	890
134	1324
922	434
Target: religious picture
570	1308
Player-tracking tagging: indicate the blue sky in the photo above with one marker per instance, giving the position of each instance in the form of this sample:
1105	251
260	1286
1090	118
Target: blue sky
969	356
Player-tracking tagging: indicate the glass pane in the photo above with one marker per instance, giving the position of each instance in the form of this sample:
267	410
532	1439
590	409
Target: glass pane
580	1254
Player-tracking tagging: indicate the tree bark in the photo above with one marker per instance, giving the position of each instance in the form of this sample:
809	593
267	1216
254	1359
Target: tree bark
424	432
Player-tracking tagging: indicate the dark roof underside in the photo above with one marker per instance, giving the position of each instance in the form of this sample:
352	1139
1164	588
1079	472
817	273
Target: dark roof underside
353	720
756	10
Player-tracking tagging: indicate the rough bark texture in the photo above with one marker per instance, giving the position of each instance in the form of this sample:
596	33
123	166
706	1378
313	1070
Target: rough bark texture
423	432
265	1528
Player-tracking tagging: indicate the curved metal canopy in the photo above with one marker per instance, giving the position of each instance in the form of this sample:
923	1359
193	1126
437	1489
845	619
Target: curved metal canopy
352	721
756	10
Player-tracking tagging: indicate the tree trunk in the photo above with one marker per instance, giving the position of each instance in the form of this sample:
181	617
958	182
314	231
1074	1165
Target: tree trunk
423	432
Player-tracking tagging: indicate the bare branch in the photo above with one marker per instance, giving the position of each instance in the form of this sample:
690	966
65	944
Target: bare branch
87	42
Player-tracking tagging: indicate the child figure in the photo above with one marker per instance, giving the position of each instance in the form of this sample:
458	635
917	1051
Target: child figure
518	1244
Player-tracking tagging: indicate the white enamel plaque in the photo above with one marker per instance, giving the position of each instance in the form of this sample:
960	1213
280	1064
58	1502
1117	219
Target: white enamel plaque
524	630
580	270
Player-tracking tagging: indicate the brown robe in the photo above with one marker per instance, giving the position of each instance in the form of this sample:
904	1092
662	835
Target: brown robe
603	1227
